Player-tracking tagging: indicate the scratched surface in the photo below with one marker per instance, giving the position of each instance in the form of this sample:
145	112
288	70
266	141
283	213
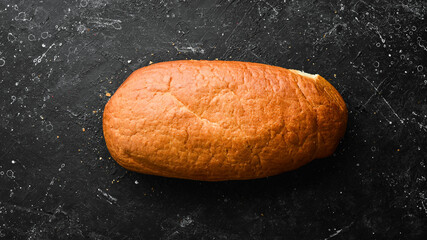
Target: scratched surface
60	61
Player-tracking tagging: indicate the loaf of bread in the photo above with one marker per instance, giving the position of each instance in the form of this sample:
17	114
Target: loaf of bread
222	120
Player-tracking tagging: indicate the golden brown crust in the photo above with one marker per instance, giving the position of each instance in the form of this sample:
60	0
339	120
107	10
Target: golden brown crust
221	120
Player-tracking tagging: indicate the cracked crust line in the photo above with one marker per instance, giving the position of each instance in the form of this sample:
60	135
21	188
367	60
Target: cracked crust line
189	110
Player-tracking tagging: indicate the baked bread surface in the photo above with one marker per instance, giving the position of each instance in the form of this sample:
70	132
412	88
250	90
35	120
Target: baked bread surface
222	120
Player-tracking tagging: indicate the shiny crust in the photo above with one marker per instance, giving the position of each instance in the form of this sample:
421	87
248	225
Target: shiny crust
222	120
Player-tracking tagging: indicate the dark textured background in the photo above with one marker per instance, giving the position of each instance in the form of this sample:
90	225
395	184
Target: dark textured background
61	60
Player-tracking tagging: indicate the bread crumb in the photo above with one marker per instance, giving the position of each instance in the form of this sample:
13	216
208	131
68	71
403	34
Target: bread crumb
83	129
108	94
150	62
57	136
335	76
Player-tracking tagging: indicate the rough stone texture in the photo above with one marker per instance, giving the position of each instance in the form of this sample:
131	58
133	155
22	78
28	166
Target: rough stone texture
61	60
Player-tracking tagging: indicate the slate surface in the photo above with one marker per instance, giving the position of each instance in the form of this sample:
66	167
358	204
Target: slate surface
60	61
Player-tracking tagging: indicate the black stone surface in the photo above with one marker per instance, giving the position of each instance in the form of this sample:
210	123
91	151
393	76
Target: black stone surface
60	60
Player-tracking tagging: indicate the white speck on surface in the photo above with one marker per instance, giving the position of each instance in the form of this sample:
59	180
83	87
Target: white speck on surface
62	166
38	59
11	38
136	182
419	41
10	174
105	22
376	64
52	181
49	126
83	3
44	35
22	16
13	99
424	206
81	29
186	221
192	48
339	231
110	199
423	127
392	109
382	39
31	37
